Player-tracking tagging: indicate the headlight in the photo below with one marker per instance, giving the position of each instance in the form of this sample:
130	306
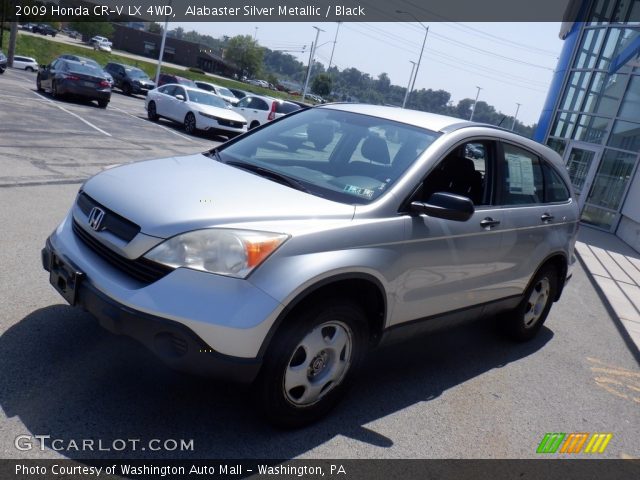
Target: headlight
208	115
226	252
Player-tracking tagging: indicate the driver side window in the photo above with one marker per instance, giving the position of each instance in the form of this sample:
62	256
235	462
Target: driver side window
465	171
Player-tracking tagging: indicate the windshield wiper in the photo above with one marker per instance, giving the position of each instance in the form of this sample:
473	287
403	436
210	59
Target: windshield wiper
265	172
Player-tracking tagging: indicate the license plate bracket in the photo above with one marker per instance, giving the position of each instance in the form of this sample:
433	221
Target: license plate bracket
65	278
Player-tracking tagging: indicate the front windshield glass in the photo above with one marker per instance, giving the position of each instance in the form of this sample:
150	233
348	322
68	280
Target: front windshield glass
137	73
205	98
346	157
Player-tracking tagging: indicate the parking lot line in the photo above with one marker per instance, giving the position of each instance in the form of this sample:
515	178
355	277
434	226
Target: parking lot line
157	125
70	113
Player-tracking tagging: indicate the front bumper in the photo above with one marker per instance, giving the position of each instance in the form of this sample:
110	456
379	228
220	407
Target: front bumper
195	322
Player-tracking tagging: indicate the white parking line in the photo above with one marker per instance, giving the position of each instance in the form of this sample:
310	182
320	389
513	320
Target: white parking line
160	126
69	112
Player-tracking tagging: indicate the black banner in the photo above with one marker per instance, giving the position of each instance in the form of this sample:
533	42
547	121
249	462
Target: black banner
333	469
296	10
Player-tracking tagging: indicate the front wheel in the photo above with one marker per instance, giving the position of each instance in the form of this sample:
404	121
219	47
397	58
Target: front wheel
152	113
311	362
524	322
190	123
2	69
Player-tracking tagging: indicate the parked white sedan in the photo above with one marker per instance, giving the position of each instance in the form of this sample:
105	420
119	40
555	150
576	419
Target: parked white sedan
195	109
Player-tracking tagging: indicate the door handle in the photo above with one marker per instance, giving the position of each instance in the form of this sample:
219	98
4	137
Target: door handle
546	217
489	222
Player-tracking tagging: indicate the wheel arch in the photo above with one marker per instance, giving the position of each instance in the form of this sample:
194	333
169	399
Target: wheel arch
559	261
365	289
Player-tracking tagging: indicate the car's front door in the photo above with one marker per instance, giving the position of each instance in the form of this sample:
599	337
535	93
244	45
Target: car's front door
454	265
178	106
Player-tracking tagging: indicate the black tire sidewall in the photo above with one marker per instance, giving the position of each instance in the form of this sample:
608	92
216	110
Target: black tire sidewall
276	407
513	321
186	128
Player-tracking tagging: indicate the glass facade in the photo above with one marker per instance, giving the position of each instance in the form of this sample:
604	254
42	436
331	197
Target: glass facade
596	124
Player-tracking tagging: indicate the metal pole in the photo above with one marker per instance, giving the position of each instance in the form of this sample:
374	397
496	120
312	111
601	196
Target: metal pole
424	42
515	116
473	110
406	95
164	39
312	54
255	34
335	40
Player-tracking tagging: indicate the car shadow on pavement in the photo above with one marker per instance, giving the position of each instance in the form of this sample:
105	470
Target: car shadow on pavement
63	375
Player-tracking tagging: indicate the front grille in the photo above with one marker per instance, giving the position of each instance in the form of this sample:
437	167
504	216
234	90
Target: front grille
112	222
229	123
141	269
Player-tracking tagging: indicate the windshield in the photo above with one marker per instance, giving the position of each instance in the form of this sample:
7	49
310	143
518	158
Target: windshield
225	92
137	73
206	98
346	157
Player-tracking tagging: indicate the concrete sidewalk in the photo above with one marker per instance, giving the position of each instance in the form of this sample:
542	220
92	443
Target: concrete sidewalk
614	267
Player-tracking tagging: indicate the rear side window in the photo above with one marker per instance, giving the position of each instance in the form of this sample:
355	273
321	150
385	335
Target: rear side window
521	177
258	104
555	188
286	107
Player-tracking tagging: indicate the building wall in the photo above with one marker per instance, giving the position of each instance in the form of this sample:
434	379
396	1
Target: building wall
596	107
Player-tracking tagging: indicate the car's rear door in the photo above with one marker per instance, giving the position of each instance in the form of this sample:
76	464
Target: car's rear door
538	221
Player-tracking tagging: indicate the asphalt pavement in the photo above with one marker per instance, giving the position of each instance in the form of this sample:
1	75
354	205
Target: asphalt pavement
463	393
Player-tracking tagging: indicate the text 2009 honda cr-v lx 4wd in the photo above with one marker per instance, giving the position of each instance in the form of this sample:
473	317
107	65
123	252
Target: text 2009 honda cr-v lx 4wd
283	256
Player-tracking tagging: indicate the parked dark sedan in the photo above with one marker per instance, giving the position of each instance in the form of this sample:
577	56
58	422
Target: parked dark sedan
67	77
3	62
129	79
44	29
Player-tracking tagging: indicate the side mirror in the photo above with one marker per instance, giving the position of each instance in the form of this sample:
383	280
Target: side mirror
180	97
448	206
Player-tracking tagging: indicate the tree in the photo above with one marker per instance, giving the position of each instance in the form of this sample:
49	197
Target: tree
244	51
91	29
155	27
322	84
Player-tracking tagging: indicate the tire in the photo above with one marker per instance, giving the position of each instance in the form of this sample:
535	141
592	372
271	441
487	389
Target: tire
39	84
29	69
126	89
54	91
152	112
103	103
2	69
525	321
190	123
311	362
254	124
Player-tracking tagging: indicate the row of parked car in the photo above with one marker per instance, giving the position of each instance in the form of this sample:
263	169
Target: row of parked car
197	105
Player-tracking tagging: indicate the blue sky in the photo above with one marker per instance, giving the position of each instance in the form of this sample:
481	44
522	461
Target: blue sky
512	62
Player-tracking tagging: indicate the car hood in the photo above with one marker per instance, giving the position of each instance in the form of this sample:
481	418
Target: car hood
172	195
225	113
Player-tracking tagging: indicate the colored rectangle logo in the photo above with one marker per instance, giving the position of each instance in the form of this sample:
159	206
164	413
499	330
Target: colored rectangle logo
573	443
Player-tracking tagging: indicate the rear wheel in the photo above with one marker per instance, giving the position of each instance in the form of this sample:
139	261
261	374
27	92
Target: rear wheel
524	322
54	90
311	362
152	113
103	103
190	123
126	89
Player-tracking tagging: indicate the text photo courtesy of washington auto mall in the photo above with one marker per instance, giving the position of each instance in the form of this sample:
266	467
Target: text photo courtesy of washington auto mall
361	239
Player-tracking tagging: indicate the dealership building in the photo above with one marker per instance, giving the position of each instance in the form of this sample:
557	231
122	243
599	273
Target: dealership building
592	114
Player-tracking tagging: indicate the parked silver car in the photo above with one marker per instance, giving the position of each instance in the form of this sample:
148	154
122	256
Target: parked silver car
283	256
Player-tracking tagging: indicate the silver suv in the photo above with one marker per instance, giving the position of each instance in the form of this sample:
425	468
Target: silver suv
283	256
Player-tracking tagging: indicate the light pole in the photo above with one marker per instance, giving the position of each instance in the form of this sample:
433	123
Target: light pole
335	40
515	116
473	110
406	95
426	32
255	34
312	54
164	39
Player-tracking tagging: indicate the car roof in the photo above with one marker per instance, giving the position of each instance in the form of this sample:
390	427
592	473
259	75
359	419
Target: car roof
431	121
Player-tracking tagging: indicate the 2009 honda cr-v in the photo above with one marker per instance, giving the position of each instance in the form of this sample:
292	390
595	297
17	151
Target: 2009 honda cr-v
283	256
